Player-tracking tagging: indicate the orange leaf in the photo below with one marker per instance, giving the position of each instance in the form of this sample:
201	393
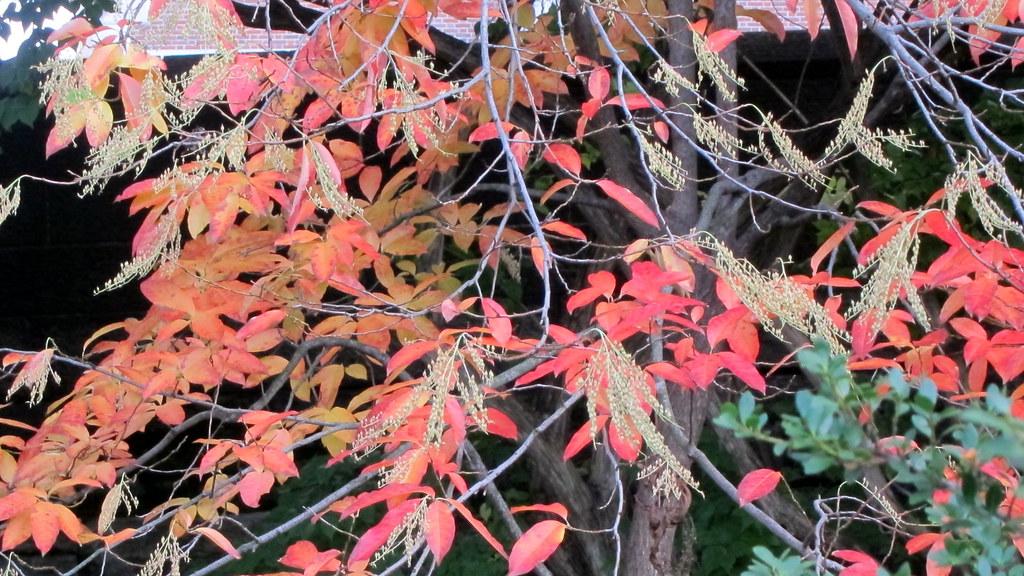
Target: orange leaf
629	201
221	542
369	181
45	526
535	546
555	188
922	541
99	64
565	229
77	28
17	530
305	556
439	530
556	509
757	485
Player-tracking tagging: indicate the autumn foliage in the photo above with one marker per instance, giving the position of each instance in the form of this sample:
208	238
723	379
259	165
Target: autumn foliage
330	267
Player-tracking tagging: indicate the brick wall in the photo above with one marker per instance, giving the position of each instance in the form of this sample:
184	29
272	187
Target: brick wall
173	33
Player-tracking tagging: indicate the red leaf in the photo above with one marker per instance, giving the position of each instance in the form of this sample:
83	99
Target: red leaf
535	546
261	323
219	539
661	130
278	462
582	437
409	354
439	530
626	444
767	19
831	244
757	485
723	326
850	26
880	208
634	101
55	143
599	83
254	485
497	321
812	11
556	509
860	563
720	39
388	492
1017	54
156	6
489	131
212	456
501	425
375	537
876	242
672	374
629	201
478	526
853	556
602	283
565	157
743	369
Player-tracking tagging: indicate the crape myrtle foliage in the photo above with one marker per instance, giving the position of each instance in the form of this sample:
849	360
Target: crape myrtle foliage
322	267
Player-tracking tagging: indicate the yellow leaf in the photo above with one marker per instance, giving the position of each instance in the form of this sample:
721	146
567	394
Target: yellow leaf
357	371
198	219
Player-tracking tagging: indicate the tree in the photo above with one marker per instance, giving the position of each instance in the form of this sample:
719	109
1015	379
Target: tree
570	235
19	90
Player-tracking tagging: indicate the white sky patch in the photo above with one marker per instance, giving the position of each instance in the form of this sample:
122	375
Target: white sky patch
9	46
